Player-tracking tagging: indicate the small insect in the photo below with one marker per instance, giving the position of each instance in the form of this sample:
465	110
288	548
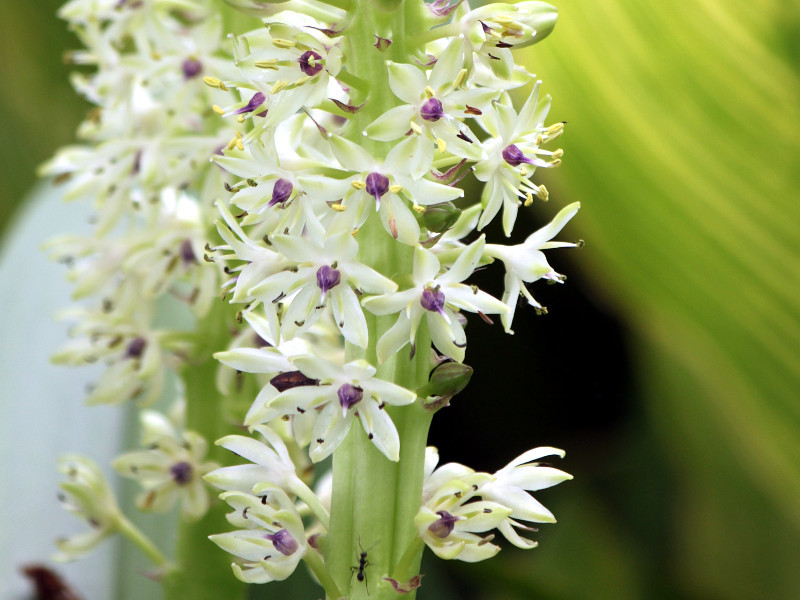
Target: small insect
360	569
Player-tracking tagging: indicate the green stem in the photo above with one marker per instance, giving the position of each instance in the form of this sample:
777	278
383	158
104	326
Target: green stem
141	541
374	499
202	571
316	565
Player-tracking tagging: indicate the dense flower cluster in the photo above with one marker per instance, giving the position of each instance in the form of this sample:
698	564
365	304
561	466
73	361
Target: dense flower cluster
285	177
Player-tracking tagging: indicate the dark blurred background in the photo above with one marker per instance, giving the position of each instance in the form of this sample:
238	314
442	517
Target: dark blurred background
668	366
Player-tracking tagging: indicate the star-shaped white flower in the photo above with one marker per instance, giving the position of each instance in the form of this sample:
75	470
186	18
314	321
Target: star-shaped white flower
437	296
526	263
342	393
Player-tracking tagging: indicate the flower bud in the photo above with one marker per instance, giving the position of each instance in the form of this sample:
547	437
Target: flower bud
514	25
445	381
438	218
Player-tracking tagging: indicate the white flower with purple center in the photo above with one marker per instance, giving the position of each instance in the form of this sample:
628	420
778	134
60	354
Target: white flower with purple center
437	296
171	468
342	393
526	263
393	186
435	105
271	539
317	272
511	155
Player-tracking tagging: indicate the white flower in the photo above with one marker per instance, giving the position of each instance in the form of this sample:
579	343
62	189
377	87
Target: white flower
87	495
171	467
437	297
526	263
343	392
511	156
316	272
271	539
509	488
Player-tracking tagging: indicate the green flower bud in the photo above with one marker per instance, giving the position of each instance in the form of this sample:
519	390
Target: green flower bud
438	218
446	380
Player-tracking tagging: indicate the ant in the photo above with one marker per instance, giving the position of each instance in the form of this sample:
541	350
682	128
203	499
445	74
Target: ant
363	563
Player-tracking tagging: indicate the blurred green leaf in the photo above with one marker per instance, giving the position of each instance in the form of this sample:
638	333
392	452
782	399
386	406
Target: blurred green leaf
683	143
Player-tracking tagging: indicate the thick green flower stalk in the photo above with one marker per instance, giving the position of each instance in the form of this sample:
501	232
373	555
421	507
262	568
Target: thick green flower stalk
331	217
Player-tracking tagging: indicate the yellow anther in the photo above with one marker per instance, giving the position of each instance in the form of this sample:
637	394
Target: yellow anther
523	171
460	78
267	64
358	185
218	110
238	135
395	189
240	119
554	129
415	128
558	153
543	194
212	81
155	55
239	144
503	20
282	43
539	140
555	163
223	87
279	85
429	92
302	80
355	231
339	207
528	199
418	208
441	144
232	144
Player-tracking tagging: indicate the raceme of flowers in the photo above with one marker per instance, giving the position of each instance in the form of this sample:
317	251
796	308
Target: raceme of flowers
265	170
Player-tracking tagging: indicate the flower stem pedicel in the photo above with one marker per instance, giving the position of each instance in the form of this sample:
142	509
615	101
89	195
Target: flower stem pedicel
330	221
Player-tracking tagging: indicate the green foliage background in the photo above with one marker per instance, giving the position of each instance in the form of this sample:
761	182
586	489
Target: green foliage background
683	144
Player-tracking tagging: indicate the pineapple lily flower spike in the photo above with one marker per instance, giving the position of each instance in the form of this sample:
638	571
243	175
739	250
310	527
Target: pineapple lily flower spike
290	192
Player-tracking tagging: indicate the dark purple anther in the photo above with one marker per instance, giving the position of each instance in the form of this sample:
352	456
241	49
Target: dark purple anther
136	347
377	186
432	300
310	63
486	29
283	542
514	156
281	192
187	253
290	379
181	473
431	110
327	278
192	68
349	395
256	101
442	527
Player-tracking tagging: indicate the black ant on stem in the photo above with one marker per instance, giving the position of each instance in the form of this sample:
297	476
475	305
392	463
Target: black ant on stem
360	570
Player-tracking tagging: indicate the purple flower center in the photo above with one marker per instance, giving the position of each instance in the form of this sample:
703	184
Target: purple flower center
136	347
181	473
192	68
327	278
377	186
281	192
444	525
283	542
432	299
187	253
310	63
256	101
349	395
431	110
514	156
